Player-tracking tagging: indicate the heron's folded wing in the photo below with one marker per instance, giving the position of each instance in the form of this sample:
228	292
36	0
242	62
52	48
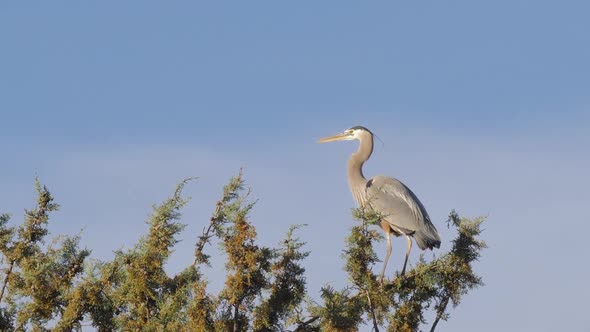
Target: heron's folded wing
396	203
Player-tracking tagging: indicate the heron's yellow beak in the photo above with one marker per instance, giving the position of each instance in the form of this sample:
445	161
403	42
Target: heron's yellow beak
337	137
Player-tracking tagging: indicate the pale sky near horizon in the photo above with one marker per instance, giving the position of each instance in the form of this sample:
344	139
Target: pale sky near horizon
481	107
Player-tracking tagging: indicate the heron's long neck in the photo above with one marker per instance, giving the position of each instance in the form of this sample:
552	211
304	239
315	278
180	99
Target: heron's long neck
356	179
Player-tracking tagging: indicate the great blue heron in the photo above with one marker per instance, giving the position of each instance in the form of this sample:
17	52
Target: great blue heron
401	211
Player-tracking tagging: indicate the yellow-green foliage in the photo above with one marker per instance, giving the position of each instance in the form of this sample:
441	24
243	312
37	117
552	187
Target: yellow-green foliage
38	280
55	287
400	304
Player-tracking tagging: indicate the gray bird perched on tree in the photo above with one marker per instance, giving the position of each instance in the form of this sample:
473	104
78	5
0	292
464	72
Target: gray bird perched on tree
401	211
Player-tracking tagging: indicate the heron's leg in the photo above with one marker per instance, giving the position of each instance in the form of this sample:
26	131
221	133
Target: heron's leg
407	253
386	256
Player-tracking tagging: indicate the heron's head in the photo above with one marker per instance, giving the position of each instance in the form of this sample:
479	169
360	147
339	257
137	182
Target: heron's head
356	132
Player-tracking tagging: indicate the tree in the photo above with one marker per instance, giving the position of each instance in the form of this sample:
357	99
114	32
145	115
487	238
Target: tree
56	287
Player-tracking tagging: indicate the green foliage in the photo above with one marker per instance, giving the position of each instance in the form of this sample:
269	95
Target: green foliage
287	289
56	287
264	287
143	295
400	304
38	280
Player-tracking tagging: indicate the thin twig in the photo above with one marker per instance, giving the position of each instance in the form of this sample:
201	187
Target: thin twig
305	324
8	273
206	235
375	325
19	326
440	312
236	317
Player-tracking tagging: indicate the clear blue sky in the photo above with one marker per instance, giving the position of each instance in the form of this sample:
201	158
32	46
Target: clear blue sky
482	107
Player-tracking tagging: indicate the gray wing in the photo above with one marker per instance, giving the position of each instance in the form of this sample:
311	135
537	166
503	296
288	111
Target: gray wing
400	207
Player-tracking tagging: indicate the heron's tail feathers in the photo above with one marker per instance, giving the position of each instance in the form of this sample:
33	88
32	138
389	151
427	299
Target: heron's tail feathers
427	238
